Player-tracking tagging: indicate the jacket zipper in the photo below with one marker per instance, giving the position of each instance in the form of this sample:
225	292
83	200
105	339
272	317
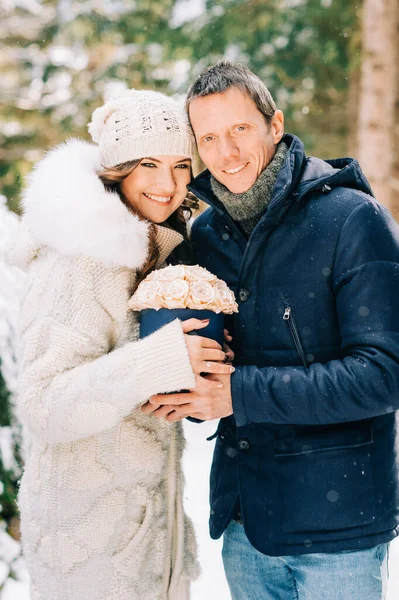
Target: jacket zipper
288	316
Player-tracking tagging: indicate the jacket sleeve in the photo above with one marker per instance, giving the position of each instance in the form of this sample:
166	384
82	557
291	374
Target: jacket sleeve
74	385
365	383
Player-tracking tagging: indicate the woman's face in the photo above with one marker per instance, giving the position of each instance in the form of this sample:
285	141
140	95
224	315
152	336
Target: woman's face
157	186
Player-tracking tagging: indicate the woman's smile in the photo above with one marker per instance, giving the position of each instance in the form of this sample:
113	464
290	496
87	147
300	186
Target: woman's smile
168	175
164	200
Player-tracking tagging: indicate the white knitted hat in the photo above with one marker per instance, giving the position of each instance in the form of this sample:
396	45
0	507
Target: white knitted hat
140	123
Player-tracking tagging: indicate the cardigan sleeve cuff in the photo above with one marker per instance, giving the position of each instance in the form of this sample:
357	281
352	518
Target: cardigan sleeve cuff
162	361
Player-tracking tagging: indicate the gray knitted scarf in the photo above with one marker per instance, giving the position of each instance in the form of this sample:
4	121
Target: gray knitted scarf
247	208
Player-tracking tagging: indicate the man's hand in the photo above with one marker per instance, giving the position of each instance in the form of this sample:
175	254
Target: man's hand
229	352
210	399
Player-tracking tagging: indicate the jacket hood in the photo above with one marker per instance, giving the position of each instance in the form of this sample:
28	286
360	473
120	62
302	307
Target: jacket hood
66	207
339	172
300	173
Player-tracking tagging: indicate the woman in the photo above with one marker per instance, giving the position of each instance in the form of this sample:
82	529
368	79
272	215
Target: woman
101	495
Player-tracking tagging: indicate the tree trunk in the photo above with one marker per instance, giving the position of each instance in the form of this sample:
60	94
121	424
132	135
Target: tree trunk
376	131
353	111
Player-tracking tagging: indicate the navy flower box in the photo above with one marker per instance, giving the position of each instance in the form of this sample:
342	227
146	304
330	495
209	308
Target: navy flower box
151	320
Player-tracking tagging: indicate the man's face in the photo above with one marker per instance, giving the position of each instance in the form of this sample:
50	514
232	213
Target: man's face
234	140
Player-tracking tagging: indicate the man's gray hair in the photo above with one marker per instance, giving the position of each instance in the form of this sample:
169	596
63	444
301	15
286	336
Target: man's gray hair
222	76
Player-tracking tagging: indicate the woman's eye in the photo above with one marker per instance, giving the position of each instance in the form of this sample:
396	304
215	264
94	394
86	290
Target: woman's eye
150	165
208	138
183	166
241	128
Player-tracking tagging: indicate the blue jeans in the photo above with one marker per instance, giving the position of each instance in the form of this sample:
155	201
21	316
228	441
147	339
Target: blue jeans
353	575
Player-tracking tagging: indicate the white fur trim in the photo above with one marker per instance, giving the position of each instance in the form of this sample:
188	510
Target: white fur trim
67	208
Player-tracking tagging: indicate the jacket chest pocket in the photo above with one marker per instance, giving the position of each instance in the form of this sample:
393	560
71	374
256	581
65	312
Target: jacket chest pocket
328	486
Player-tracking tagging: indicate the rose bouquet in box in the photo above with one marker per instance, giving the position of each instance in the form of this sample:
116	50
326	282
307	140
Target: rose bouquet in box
183	292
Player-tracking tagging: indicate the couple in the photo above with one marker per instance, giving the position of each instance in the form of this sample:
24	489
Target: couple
303	484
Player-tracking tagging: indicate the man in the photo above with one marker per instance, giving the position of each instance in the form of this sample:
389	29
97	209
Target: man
304	483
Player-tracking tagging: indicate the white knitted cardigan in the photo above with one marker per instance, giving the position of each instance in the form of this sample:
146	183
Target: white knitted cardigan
101	494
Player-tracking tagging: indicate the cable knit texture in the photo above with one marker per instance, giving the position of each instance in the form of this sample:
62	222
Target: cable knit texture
101	496
141	123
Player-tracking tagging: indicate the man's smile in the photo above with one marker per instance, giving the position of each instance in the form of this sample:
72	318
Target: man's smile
236	169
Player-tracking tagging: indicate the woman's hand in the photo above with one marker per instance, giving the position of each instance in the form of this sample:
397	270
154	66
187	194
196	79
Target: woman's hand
206	355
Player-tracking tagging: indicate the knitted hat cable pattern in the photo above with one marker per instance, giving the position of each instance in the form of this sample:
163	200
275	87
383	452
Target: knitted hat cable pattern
139	124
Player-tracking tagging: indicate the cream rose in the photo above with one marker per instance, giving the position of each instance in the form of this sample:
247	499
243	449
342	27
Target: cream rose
224	298
173	294
182	286
146	295
152	276
202	295
197	273
170	273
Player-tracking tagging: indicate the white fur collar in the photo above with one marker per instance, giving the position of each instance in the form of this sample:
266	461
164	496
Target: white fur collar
67	208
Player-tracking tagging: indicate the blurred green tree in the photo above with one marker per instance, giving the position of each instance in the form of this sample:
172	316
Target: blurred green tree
10	463
304	50
10	454
4	405
61	58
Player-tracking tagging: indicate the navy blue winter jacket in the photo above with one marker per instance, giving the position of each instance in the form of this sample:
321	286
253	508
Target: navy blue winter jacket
309	455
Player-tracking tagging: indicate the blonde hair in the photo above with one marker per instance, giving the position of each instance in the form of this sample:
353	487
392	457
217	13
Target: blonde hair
112	178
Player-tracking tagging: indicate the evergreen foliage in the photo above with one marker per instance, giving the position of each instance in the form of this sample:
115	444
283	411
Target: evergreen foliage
303	50
10	454
61	58
10	463
5	417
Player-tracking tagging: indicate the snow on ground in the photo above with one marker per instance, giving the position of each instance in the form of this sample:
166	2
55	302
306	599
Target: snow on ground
212	584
